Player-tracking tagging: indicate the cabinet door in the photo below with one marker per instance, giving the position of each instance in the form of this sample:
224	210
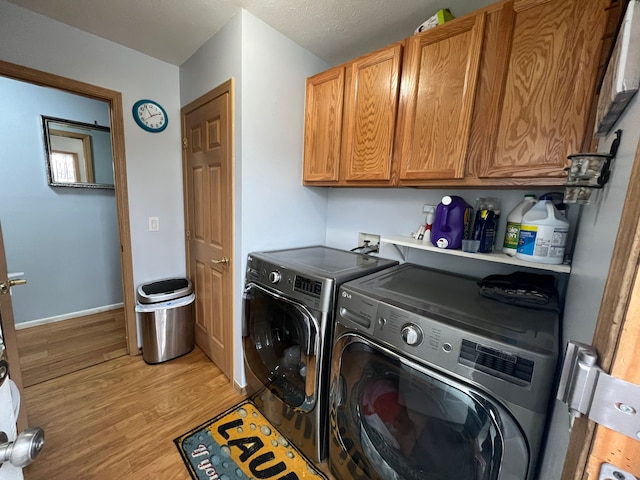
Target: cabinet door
538	112
371	103
323	126
436	100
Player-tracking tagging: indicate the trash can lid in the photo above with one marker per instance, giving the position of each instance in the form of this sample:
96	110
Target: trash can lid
164	290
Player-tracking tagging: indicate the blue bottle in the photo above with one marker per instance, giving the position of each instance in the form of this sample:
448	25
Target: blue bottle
485	231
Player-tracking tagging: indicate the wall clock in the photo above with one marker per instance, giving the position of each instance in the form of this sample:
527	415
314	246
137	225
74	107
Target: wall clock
150	116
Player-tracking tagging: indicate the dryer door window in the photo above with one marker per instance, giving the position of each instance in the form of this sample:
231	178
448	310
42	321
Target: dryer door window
280	342
397	420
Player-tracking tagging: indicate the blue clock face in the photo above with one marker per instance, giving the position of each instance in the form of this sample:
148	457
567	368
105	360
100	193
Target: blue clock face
150	116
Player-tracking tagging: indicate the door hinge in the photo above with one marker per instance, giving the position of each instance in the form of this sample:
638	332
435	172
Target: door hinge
185	142
608	471
188	234
588	390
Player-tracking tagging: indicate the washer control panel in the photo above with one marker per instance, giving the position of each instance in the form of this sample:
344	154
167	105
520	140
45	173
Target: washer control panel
412	334
274	277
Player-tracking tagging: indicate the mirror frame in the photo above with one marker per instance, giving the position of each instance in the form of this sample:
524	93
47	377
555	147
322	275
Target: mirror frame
48	128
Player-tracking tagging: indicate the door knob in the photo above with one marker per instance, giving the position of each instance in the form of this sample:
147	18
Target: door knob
24	449
5	286
223	261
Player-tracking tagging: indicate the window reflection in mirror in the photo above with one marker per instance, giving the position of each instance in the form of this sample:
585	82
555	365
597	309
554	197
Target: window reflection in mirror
78	154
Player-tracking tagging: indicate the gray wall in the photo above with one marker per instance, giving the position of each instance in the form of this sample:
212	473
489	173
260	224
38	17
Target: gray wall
64	239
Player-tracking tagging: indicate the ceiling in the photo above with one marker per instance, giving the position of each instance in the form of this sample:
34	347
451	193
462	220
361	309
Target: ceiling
173	30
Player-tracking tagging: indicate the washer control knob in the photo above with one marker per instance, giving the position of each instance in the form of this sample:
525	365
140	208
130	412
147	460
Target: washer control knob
412	334
274	277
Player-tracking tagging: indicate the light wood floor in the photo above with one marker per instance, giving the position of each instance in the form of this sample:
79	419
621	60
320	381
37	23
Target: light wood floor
118	419
55	349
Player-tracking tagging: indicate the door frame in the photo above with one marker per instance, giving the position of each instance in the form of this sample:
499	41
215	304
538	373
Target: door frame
114	99
613	319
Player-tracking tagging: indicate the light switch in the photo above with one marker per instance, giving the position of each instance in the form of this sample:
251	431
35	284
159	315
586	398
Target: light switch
154	224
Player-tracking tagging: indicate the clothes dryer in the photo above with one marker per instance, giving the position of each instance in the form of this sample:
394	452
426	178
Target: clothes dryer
431	380
288	315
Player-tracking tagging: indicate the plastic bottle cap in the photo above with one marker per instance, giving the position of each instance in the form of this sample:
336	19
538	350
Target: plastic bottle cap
446	200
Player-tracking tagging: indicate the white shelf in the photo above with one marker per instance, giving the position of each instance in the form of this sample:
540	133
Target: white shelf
497	257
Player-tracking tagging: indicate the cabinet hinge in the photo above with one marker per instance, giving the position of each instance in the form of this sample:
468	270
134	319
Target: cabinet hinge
588	390
185	142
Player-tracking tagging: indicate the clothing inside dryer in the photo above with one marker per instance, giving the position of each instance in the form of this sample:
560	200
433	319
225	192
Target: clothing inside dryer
413	426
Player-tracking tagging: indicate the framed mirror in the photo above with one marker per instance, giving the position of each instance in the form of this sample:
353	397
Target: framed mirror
77	154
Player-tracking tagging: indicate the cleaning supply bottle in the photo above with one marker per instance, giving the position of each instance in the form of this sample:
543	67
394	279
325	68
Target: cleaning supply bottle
486	232
494	204
514	219
429	225
451	221
481	204
543	234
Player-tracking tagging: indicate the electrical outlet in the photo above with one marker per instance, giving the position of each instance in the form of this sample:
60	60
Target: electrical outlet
372	238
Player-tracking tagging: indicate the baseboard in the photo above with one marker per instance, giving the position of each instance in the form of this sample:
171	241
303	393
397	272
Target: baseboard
239	389
67	316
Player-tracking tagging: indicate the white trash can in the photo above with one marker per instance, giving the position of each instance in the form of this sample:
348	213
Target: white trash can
167	319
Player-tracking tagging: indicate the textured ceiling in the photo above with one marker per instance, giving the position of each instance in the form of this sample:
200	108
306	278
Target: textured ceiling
172	30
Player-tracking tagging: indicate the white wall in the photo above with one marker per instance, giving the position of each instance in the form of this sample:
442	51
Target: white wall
594	247
154	166
272	208
398	211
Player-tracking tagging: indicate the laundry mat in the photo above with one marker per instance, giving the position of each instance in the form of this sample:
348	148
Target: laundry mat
242	444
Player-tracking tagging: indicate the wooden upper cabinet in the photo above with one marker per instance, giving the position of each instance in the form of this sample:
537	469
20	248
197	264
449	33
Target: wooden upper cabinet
323	126
370	110
350	121
497	98
537	83
436	100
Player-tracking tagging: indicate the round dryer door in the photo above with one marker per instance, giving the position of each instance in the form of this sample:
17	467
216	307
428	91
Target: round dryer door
395	419
280	346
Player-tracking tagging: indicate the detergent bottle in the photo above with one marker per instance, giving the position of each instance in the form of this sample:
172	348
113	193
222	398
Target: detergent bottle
543	234
514	220
451	221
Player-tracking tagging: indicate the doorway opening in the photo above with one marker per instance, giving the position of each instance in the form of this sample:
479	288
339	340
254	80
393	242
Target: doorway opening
119	316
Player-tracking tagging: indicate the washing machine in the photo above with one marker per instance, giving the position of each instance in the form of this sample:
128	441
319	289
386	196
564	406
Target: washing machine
430	380
288	315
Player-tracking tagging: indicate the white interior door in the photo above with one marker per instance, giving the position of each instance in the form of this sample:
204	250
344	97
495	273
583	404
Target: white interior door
9	392
8	402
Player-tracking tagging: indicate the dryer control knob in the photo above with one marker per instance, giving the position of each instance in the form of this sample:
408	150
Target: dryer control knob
412	335
274	277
